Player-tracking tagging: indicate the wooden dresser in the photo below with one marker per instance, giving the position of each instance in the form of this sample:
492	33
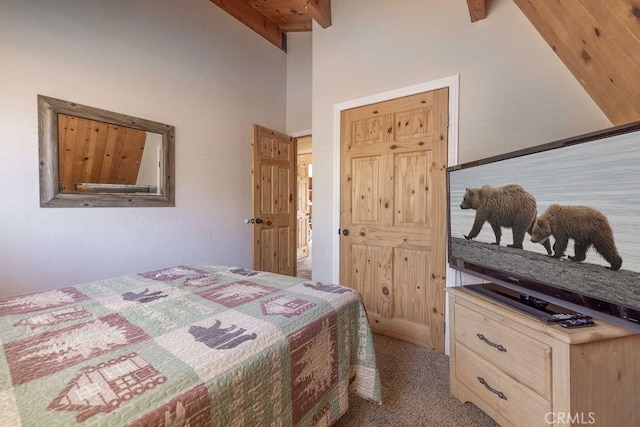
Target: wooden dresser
522	372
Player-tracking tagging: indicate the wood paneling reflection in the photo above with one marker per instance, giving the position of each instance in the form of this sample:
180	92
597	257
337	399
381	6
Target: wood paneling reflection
98	152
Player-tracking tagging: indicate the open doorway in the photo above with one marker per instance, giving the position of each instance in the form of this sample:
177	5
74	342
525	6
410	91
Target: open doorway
304	178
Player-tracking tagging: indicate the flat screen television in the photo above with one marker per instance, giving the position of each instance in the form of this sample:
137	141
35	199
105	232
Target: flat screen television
581	186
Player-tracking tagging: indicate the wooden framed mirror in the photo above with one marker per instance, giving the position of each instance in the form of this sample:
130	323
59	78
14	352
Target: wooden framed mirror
96	158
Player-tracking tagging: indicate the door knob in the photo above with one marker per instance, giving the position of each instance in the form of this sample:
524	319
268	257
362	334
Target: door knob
345	232
258	220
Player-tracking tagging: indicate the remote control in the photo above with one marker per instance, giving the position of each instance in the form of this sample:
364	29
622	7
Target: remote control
559	317
576	323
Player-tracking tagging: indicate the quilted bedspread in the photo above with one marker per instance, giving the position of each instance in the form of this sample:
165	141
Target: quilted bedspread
185	346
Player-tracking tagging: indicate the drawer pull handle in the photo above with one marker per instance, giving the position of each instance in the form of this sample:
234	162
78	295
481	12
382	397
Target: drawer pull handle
500	347
491	389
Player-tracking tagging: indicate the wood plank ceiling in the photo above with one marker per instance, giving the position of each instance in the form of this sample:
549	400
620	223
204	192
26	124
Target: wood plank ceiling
272	19
98	153
597	40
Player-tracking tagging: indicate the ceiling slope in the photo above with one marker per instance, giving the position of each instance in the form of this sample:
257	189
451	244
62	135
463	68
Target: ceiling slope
599	42
272	19
477	9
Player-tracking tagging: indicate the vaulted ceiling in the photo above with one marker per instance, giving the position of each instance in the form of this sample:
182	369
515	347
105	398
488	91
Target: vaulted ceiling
597	40
272	19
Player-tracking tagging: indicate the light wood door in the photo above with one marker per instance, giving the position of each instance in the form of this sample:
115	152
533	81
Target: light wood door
393	204
273	177
303	211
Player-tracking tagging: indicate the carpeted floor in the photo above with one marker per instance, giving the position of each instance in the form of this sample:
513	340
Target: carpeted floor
304	266
415	391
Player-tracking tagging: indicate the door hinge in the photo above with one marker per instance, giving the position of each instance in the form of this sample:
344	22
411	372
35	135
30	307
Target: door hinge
447	120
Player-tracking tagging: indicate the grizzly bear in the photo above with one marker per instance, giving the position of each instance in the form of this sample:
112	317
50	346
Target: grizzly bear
509	206
585	225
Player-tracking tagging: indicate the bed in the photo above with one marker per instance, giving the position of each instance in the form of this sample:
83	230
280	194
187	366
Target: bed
185	346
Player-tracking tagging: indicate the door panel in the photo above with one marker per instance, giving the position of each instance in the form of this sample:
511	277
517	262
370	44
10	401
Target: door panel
411	185
372	276
303	219
366	170
303	208
274	210
393	203
410	302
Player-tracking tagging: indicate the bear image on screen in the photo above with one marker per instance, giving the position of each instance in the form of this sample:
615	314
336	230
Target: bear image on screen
590	191
586	226
510	207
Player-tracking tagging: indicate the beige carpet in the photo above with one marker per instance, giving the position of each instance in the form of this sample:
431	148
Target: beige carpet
415	391
304	266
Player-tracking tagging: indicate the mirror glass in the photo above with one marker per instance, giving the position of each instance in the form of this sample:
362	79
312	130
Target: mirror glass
91	157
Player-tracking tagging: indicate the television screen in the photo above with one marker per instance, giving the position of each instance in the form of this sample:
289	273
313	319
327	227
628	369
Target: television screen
557	221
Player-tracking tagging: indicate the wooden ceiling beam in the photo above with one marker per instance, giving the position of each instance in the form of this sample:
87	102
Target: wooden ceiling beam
599	42
253	19
477	9
319	10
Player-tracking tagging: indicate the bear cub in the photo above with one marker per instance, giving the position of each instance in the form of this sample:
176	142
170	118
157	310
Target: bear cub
509	206
585	225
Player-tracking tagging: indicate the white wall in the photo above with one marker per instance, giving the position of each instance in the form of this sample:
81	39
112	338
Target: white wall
514	91
193	66
185	63
299	60
151	165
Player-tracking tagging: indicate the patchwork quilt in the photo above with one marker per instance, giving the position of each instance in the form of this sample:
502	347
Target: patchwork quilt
185	346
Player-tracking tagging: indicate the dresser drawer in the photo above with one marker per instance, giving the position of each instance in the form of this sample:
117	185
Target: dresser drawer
498	394
527	360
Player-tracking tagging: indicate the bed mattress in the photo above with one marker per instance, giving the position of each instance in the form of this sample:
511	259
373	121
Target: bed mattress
186	345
